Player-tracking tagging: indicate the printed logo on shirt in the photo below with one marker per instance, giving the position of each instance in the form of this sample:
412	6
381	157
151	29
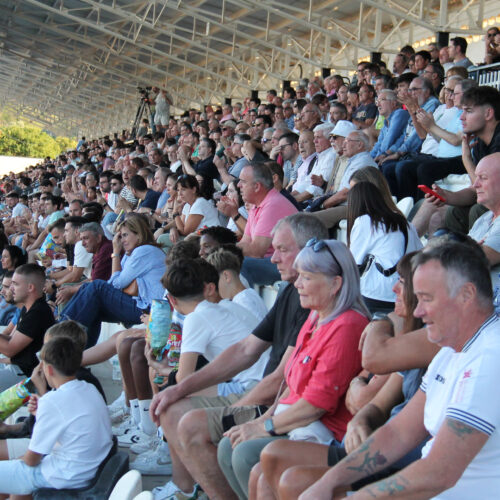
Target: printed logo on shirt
467	374
439	378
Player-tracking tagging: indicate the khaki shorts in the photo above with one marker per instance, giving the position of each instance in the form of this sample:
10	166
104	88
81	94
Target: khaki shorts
219	407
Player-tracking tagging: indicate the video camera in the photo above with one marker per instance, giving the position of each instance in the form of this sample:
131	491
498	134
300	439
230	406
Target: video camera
144	91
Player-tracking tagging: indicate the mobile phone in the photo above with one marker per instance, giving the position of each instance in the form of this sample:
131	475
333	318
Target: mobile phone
430	191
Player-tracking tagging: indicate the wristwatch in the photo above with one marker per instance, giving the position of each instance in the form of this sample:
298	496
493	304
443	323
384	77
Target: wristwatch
269	426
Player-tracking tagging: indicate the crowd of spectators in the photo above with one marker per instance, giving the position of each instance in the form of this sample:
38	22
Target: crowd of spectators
204	209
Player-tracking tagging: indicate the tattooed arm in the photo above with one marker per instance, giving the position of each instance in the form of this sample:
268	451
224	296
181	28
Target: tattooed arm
428	477
389	443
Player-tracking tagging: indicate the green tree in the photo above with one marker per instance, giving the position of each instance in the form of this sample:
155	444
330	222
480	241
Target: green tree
32	142
66	143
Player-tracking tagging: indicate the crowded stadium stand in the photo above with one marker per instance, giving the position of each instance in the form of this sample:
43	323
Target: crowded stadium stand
269	268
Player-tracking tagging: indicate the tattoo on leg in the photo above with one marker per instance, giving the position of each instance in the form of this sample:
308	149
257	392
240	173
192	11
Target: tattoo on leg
458	428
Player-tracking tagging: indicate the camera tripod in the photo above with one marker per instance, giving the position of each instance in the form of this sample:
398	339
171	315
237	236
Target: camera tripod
143	106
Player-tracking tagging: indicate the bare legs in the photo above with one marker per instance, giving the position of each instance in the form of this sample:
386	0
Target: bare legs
199	455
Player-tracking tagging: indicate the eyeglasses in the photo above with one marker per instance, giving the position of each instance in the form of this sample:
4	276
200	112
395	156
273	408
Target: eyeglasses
318	245
334	137
264	141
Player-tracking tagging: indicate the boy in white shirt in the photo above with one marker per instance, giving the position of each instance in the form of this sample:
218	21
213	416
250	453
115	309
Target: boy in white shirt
72	433
227	261
209	328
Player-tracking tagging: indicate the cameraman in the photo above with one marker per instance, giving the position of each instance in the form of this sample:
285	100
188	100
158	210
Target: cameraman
163	101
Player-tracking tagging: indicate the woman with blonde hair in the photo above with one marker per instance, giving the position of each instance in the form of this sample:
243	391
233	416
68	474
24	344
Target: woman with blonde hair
137	267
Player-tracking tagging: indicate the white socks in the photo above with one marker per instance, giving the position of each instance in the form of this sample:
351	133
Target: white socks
147	425
135	411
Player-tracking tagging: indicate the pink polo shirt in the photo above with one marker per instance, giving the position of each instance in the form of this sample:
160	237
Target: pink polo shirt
263	218
322	366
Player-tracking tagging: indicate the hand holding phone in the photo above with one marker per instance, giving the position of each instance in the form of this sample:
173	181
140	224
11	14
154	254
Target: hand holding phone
428	190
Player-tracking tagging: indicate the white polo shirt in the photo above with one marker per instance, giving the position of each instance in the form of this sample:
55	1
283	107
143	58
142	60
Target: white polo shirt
464	386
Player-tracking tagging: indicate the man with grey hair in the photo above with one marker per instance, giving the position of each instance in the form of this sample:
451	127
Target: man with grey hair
267	137
310	116
94	242
315	181
338	111
395	120
357	149
194	425
234	154
269	206
454	405
420	98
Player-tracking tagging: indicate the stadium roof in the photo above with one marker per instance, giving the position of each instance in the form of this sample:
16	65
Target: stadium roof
73	66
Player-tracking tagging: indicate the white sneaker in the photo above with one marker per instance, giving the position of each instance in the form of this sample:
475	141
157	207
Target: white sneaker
117	404
124	427
144	443
131	436
172	492
154	462
119	415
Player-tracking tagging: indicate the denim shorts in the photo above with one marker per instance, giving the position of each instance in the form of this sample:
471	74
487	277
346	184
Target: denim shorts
17	478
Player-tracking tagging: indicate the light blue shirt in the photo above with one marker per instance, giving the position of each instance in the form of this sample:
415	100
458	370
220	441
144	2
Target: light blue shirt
164	196
146	264
392	132
290	169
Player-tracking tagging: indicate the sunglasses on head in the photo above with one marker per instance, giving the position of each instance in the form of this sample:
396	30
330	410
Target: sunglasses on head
318	245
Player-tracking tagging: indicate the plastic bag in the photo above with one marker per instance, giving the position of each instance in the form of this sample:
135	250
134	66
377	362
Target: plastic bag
14	397
158	328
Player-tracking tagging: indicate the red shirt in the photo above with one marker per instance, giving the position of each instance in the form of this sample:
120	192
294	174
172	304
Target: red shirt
322	366
101	261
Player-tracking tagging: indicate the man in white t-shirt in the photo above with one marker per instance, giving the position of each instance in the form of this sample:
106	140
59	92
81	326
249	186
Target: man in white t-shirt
456	404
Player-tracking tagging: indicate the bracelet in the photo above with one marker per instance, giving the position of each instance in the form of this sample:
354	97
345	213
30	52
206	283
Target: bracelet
115	255
176	214
237	217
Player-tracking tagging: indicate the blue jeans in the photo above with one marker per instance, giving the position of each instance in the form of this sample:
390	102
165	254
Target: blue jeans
99	301
17	478
260	271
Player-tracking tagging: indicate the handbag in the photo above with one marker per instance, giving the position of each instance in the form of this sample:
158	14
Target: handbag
370	259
